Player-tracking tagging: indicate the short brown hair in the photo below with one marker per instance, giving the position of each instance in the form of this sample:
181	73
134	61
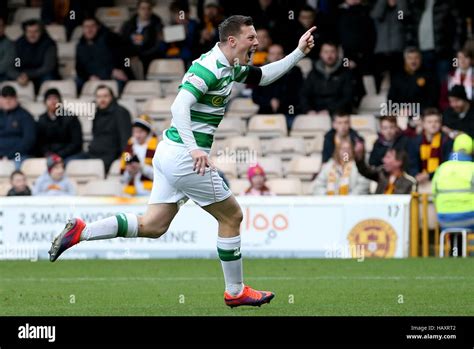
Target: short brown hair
431	111
390	118
231	26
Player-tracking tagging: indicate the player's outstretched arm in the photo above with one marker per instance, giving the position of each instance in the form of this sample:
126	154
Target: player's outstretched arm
181	111
276	70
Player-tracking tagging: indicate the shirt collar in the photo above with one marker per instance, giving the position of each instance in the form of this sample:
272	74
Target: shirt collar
220	55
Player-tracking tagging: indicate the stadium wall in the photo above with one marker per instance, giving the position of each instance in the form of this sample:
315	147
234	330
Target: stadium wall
299	227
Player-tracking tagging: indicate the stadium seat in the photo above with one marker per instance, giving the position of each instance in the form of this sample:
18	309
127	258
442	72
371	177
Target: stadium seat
24	92
370	138
219	146
272	165
306	65
130	105
66	50
142	90
170	88
114	171
372	104
364	123
76	34
88	90
162	10
243	106
230	127
158	108
110	187
314	145
67	88
287	147
34	108
285	186
239	186
6	168
131	4
268	126
57	32
113	17
227	166
24	13
84	171
13	31
310	125
67	69
369	84
248	144
165	69
34	167
4	188
303	167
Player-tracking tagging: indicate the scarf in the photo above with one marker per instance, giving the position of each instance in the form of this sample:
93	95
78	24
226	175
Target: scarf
390	189
344	178
430	153
128	153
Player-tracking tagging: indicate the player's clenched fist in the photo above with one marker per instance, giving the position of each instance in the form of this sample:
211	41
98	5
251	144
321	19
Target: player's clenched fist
306	42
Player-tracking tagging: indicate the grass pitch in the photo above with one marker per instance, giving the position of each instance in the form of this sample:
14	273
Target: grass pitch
318	287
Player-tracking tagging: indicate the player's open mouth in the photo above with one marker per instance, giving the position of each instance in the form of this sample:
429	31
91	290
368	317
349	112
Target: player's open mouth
250	54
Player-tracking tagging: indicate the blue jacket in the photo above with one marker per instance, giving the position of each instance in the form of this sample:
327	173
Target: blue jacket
17	133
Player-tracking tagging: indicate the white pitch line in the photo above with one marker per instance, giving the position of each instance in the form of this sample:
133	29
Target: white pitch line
194	278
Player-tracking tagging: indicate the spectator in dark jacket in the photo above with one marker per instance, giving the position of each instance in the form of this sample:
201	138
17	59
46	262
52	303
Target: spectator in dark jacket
341	129
391	178
438	30
356	34
37	54
328	86
59	134
111	129
17	128
99	55
390	136
459	117
281	96
7	52
143	33
413	85
189	48
429	149
390	36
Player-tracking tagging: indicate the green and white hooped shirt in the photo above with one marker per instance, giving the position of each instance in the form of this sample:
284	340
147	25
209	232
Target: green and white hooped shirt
210	79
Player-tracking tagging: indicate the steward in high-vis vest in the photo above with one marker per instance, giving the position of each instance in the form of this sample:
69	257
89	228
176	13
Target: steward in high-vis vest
453	186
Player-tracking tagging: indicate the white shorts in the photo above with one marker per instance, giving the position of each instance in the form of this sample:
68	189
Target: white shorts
174	179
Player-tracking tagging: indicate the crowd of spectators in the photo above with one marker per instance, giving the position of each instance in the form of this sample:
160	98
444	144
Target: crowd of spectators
421	48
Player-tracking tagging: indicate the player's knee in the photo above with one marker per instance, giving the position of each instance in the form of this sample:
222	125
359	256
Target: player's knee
236	217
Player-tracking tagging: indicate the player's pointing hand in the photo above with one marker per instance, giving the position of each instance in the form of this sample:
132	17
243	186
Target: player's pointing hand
306	42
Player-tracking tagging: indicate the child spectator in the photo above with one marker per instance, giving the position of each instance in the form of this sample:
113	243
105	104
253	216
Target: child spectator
257	178
19	185
136	162
54	181
429	149
339	176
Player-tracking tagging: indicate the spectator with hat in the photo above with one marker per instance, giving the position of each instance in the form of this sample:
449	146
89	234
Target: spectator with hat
257	179
17	128
136	163
59	134
459	117
54	181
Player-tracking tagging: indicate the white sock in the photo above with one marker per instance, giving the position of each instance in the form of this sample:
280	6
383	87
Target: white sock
228	250
121	225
